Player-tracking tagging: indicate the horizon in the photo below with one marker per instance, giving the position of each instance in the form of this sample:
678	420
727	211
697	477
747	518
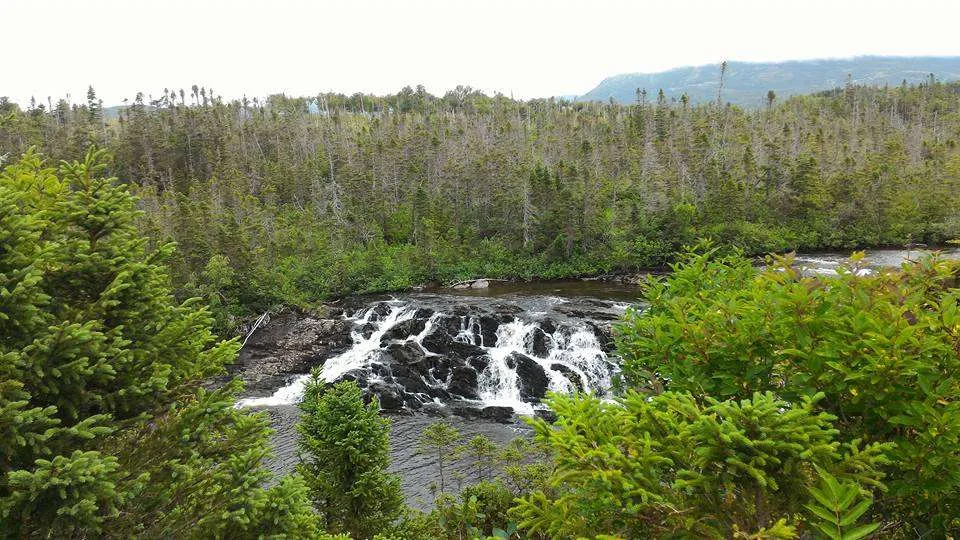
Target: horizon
523	50
73	100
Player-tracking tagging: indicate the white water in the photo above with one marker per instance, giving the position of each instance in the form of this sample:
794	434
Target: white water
357	356
573	346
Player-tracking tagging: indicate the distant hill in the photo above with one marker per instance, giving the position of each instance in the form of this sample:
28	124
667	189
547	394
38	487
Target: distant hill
747	83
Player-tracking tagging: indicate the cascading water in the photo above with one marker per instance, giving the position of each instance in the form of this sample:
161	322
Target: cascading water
335	367
492	359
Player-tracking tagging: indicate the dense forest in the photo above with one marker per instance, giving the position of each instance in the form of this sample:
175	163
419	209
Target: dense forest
753	402
295	200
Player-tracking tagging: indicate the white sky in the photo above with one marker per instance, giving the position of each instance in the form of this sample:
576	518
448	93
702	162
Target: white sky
525	48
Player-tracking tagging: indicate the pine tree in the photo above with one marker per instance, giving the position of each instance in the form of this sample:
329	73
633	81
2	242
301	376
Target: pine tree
438	439
346	450
104	430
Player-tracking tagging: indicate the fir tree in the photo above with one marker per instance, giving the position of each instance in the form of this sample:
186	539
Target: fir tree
346	450
104	429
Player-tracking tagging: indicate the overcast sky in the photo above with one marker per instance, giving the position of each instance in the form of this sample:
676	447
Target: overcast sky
524	48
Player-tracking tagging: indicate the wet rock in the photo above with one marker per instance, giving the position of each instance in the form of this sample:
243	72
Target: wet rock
463	382
504	415
506	311
412	384
604	332
403	330
380	311
479	362
588	310
406	353
546	414
570	374
548	326
488	330
533	379
436	392
470	412
435	409
367	330
440	342
480	284
539	342
389	397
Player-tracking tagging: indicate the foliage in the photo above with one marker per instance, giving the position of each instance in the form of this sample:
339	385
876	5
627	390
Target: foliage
836	507
881	347
346	451
320	196
482	454
655	466
439	439
104	431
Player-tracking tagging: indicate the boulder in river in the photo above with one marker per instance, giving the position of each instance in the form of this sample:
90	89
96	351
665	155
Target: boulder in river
504	415
404	330
463	382
533	379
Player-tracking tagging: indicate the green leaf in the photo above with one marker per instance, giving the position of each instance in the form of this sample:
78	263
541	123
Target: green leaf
860	532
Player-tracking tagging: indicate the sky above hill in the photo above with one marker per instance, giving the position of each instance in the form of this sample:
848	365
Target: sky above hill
524	48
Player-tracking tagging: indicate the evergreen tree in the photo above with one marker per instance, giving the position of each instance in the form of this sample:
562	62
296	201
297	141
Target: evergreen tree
439	439
346	451
104	429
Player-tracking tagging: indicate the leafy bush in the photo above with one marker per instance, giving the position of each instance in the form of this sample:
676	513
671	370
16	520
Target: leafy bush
659	466
882	347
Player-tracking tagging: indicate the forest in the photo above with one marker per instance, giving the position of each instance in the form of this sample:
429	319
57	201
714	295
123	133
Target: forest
295	200
754	401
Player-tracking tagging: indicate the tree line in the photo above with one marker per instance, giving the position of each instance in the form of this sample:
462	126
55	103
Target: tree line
292	200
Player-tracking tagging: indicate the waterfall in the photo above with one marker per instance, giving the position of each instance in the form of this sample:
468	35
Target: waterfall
564	356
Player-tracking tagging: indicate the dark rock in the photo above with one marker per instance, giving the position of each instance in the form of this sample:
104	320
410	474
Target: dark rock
546	414
504	415
539	342
470	412
406	353
403	330
548	326
390	398
412	385
310	334
449	325
463	382
367	330
438	393
479	362
440	342
441	371
359	376
570	374
380	311
604	333
288	343
436	409
587	310
533	379
488	330
505	311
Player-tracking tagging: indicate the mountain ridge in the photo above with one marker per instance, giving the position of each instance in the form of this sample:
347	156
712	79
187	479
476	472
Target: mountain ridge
747	83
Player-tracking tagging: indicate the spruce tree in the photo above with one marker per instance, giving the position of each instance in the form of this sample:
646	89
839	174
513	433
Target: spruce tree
346	450
105	429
